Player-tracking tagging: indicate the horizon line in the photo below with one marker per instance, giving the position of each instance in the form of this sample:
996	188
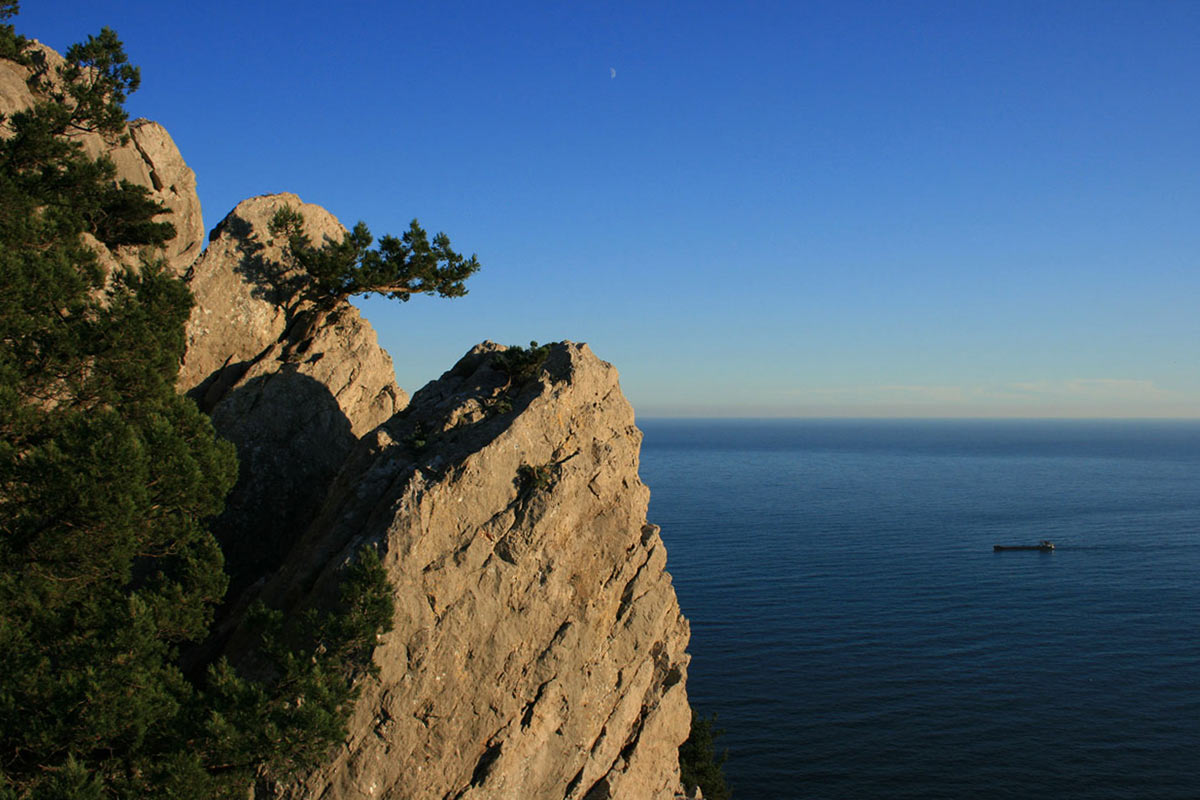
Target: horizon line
850	418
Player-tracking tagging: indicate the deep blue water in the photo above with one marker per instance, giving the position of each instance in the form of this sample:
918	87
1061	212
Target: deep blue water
858	637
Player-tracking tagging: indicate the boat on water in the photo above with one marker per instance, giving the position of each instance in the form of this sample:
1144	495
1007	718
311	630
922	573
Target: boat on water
1045	546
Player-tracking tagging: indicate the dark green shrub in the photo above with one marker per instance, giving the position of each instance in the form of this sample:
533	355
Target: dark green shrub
699	764
418	439
536	478
522	364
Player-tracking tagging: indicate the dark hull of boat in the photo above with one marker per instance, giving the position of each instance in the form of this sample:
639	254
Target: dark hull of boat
1040	547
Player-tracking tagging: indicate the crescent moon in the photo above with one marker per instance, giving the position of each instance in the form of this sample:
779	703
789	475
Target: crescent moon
612	73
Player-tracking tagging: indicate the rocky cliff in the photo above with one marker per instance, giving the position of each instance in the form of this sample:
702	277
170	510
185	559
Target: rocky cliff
538	651
293	397
539	648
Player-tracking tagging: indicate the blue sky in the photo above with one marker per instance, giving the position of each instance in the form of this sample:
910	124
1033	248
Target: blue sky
770	209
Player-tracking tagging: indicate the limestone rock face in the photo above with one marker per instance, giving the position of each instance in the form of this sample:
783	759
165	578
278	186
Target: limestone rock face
539	648
14	94
244	293
292	392
150	158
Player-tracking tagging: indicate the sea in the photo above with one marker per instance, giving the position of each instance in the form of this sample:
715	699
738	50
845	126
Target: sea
856	635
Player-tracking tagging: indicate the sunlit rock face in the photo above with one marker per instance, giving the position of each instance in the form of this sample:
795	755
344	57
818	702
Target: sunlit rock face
148	158
539	647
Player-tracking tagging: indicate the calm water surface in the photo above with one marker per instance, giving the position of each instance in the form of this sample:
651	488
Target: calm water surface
858	638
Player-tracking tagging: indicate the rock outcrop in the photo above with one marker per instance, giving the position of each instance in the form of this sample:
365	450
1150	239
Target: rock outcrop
148	158
539	650
245	295
293	396
539	647
151	159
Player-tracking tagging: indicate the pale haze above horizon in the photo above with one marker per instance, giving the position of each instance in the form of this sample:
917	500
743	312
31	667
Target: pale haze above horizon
851	209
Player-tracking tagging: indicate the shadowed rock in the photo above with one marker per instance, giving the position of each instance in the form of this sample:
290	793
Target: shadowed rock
291	438
293	398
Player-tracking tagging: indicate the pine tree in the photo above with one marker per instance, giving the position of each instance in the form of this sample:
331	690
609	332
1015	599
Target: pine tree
398	268
699	765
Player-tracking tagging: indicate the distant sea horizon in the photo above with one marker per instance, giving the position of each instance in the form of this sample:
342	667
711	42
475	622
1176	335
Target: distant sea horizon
899	418
856	635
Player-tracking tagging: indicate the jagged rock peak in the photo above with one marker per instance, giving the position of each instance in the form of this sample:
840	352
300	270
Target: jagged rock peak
246	303
293	398
539	650
149	158
241	286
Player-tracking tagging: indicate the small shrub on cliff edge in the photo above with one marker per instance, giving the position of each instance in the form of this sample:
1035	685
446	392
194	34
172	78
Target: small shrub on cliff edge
537	478
699	764
418	438
521	364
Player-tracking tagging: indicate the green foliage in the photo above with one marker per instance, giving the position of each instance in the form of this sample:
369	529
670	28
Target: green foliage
291	718
106	479
105	473
367	610
535	478
698	763
521	364
418	439
11	45
50	189
398	268
94	84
